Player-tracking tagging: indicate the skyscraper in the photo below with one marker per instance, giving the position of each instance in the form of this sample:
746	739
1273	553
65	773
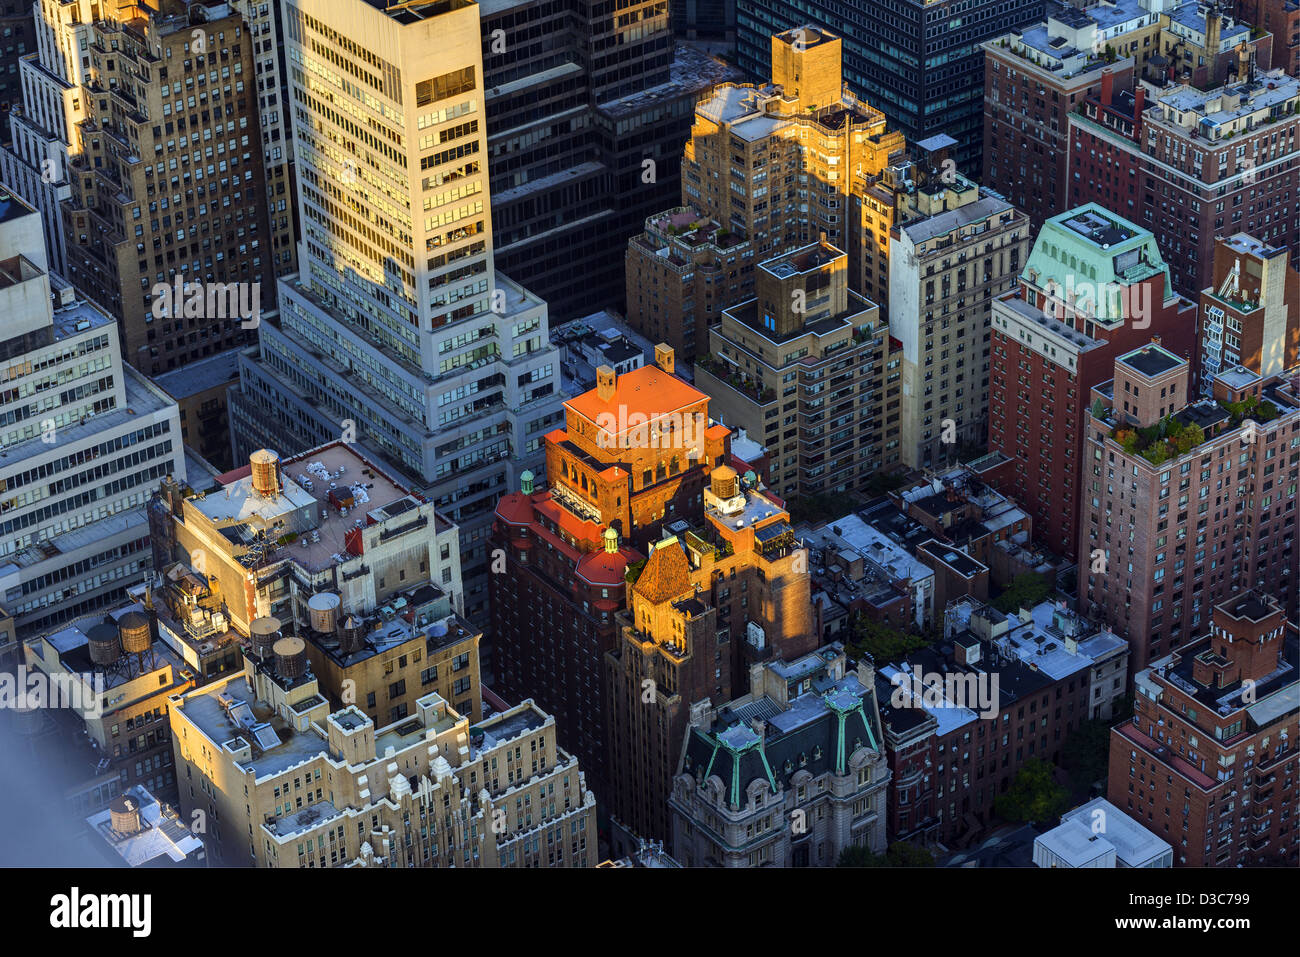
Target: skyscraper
919	62
82	439
397	331
587	107
767	169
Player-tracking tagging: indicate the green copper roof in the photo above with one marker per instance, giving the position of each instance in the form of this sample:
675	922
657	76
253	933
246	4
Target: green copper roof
1089	253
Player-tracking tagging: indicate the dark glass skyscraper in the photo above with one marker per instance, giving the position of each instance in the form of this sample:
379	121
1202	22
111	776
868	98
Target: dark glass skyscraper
588	103
919	62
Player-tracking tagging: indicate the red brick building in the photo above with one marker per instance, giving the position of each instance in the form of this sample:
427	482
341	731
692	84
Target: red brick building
1192	165
1026	118
1094	286
633	456
1185	501
1209	761
1249	315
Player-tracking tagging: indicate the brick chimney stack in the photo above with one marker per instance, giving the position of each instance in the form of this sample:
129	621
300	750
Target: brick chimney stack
664	357
606	381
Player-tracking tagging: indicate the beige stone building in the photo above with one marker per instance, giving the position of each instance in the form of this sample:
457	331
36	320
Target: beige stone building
808	369
956	246
327	548
790	774
767	169
282	780
168	185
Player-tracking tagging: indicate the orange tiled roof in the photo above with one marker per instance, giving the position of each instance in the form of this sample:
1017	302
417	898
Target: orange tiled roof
515	508
667	574
605	568
648	390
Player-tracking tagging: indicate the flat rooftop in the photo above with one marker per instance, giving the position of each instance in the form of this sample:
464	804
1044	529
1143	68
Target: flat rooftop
1249	245
1134	844
497	730
941	224
11	207
308	481
957	560
805	259
1151	360
196	377
1097	228
160	835
210	715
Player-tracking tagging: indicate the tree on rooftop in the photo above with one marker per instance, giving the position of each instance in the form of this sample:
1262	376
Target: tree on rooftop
1034	796
1086	754
883	642
1025	591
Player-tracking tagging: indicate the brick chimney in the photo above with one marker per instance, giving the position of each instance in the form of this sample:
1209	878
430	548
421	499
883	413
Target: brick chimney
1139	104
1248	631
664	358
1107	86
606	381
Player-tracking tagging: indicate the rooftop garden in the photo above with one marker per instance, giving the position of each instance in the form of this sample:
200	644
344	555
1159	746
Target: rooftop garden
1252	408
742	382
1167	439
1172	437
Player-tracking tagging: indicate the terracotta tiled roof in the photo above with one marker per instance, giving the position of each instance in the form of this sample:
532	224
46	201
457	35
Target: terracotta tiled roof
515	508
667	574
605	568
648	390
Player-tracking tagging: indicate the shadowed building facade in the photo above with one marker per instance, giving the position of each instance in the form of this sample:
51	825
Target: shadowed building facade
713	600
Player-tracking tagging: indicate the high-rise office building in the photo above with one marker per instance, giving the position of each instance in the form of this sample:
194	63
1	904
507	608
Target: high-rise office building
34	161
83	438
1187	500
265	22
1250	313
397	330
166	227
1208	761
17	39
587	108
1094	286
767	169
919	62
